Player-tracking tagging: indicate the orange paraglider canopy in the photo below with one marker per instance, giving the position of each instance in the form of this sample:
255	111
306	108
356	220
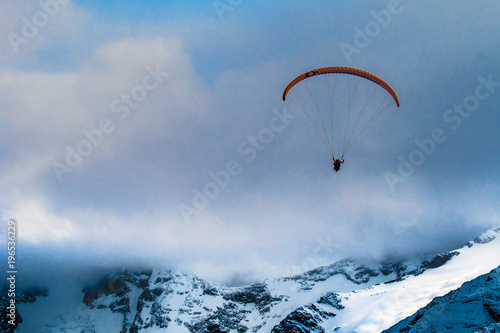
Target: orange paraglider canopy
343	70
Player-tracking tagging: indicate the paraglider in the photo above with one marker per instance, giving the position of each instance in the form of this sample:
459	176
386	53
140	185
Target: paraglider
336	163
340	103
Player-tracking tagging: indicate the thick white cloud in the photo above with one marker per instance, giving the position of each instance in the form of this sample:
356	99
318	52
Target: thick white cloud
31	26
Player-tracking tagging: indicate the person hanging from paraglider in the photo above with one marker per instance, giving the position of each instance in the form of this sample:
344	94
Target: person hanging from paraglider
339	103
337	162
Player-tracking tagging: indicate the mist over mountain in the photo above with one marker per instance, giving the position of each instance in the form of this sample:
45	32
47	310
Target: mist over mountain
345	296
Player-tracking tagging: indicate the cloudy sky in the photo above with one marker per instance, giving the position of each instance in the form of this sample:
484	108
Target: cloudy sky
117	117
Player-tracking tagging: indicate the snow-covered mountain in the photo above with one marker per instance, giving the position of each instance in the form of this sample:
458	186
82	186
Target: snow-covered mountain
346	296
474	307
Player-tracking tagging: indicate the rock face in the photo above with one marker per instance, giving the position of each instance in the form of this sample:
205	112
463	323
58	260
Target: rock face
475	307
165	299
310	318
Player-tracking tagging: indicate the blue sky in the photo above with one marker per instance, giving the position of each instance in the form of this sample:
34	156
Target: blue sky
219	80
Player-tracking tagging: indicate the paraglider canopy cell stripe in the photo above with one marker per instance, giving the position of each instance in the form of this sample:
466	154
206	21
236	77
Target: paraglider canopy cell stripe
343	70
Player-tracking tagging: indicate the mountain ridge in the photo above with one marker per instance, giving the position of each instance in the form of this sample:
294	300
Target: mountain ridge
333	297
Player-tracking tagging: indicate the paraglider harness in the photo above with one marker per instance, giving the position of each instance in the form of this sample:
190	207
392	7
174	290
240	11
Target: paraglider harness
336	163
